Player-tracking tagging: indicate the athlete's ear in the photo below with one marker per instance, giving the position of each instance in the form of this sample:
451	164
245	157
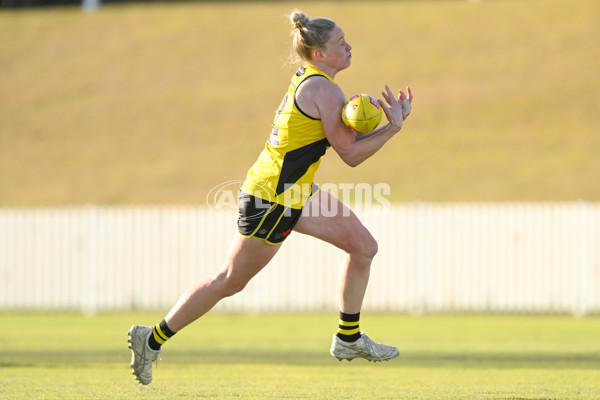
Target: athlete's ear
318	55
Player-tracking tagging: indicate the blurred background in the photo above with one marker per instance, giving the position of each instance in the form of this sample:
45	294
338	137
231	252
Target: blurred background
117	119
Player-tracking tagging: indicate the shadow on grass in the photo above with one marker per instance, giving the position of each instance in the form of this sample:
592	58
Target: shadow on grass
479	360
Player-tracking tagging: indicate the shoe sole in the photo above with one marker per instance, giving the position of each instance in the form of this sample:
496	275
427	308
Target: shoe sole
352	358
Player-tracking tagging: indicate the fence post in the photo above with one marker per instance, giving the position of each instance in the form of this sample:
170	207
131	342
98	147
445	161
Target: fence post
90	238
583	267
421	259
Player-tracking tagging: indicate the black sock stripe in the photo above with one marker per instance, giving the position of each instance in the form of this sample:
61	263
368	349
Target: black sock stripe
348	328
165	329
349	317
349	338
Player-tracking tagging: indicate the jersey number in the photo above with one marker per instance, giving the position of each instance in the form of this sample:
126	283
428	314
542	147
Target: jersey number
274	131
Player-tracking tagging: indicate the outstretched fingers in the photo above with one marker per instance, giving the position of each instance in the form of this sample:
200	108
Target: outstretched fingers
385	108
388	98
393	112
402	95
388	95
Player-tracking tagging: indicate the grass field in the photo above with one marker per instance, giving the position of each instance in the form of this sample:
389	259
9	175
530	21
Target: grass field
159	103
69	356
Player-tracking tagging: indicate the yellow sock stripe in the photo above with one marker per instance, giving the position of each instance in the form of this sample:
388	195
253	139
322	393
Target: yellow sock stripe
161	333
158	335
348	332
346	323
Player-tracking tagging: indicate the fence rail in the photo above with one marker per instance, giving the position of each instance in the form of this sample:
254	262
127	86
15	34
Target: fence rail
489	257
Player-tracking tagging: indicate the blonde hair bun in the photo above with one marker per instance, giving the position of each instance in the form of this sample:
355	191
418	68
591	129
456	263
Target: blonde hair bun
298	19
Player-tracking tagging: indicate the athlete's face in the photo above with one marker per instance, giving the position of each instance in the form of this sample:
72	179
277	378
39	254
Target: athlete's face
337	52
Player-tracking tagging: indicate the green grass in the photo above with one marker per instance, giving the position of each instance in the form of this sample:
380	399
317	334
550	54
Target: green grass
159	103
68	356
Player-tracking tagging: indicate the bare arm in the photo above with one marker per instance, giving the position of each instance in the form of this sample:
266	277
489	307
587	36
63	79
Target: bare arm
327	100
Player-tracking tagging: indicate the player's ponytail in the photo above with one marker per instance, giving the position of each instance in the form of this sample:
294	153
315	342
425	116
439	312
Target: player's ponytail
308	34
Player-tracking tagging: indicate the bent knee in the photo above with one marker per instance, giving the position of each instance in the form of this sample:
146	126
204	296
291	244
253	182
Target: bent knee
370	247
233	288
230	284
363	245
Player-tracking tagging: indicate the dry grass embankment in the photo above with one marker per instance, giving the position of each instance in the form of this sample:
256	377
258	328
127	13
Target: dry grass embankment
159	103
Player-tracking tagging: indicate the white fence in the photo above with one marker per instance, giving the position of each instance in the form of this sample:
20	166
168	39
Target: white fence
486	257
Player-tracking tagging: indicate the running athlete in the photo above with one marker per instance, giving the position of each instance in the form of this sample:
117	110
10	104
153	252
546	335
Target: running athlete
280	185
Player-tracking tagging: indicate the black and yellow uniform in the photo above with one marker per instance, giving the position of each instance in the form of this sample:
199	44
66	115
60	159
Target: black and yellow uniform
280	182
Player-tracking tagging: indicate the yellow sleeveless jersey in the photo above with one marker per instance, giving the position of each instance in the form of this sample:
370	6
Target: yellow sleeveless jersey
286	167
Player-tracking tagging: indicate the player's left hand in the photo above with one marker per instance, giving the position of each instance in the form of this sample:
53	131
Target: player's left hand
406	102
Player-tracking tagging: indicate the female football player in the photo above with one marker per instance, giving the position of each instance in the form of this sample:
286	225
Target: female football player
280	185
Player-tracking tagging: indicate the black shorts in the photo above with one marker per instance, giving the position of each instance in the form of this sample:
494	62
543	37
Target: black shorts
265	220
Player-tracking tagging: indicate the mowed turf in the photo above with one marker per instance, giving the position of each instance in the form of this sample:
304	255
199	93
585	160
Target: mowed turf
69	356
159	103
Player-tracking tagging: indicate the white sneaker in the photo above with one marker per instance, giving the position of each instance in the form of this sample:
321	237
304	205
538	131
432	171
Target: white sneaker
362	348
142	356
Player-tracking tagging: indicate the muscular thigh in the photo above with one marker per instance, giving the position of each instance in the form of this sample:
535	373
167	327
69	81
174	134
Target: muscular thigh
247	256
328	219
